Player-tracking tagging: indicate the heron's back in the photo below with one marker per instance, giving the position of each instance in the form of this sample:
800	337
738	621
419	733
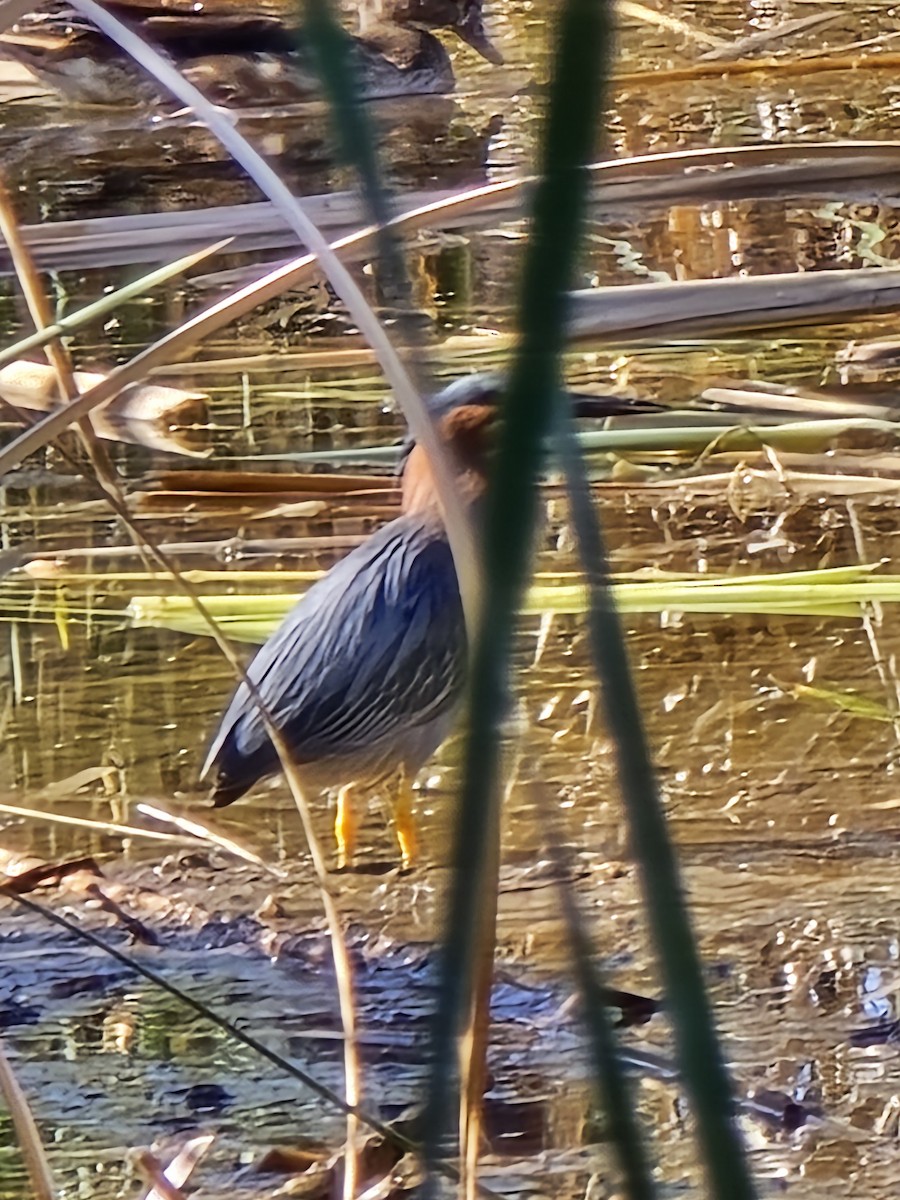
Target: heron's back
363	674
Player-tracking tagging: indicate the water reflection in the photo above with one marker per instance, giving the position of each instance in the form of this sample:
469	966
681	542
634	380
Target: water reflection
783	808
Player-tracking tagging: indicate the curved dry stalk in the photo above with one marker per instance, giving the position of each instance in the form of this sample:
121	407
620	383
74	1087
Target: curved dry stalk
91	312
195	329
109	482
26	1132
459	525
287	275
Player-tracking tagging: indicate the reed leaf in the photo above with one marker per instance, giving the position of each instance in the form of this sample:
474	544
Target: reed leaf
108	303
702	1063
511	511
835	591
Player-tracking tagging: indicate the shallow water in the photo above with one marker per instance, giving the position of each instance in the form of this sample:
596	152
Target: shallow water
784	808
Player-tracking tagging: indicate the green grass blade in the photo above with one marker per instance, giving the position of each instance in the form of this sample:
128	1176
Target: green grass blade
807	437
837	592
702	1064
90	312
353	129
607	1067
511	510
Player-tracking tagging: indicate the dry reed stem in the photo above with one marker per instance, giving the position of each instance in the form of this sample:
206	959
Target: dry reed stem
106	303
201	833
285	276
108	481
764	37
475	1038
272	284
811	65
180	1169
662	20
26	1131
460	531
58	356
864	43
129	831
153	1173
706	306
725	172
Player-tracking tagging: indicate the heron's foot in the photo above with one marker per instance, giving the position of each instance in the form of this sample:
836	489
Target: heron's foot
346	826
405	828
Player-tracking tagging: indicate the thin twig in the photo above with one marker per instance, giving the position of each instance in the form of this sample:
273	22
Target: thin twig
206	836
109	482
662	20
129	831
424	430
26	1132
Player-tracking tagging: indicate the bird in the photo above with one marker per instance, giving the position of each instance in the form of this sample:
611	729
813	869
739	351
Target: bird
246	59
364	676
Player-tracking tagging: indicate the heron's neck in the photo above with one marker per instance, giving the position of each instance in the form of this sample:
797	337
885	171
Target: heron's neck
420	494
419	488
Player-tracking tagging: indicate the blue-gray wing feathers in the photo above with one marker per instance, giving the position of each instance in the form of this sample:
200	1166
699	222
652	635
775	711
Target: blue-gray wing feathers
373	650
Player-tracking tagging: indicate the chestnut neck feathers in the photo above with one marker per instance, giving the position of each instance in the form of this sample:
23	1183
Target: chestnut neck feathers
465	431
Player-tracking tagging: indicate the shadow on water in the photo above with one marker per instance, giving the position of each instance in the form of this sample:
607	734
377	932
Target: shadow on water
784	807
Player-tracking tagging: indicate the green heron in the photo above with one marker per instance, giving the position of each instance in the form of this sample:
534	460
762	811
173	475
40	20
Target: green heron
244	58
364	675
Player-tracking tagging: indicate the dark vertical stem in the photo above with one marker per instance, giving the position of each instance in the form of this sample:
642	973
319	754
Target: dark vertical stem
700	1057
575	95
354	133
608	1070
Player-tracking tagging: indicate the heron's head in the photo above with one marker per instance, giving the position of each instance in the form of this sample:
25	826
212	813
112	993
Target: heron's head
465	412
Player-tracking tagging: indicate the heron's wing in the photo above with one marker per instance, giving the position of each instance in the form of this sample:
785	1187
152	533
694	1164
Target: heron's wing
376	646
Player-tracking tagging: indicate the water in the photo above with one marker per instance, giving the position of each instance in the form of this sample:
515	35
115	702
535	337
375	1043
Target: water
784	809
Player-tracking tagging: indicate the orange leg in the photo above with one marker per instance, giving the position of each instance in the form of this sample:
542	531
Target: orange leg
345	826
404	824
